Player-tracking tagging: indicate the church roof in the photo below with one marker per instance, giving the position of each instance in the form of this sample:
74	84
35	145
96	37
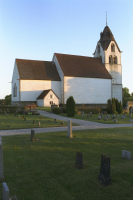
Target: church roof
81	66
37	70
106	38
44	94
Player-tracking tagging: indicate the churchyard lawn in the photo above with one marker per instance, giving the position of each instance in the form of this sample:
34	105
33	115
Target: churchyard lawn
44	169
10	121
94	118
48	109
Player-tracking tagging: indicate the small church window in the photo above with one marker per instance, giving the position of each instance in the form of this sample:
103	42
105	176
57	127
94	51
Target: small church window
51	95
115	60
110	59
15	90
98	48
112	48
51	102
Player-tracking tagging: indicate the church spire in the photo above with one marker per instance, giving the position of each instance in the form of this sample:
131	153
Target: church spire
106	18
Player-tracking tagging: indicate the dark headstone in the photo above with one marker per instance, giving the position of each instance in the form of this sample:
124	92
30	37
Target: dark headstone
88	116
104	176
79	160
32	135
55	121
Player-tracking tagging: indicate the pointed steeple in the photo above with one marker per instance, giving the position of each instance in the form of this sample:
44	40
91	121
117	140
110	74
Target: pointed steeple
106	37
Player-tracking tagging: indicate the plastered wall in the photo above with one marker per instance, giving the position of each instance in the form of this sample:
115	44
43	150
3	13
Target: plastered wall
87	90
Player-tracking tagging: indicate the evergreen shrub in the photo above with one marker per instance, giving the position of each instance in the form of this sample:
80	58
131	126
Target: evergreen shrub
87	110
70	107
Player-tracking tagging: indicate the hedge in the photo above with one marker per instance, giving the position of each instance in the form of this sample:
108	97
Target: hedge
87	110
11	109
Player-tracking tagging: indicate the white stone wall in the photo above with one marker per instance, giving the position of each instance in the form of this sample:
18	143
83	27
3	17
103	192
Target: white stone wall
60	72
117	92
56	87
87	90
15	79
40	102
31	89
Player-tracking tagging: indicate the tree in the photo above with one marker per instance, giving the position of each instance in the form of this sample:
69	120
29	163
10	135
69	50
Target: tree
8	100
109	106
132	94
70	107
120	108
125	92
116	104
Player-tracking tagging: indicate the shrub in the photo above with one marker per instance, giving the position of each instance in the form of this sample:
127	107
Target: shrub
56	110
120	108
70	107
109	106
64	110
11	109
113	106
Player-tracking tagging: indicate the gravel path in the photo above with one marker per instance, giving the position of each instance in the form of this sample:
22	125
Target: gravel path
83	125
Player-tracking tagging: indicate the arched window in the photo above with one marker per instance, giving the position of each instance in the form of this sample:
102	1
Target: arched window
15	90
98	48
115	59
112	48
110	59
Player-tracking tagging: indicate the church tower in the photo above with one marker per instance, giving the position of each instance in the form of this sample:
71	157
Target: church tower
109	53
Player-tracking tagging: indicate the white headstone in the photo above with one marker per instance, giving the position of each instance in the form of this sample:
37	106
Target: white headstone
126	154
69	133
5	192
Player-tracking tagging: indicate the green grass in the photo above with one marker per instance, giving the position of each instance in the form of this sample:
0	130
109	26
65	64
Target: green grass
18	123
94	118
45	169
48	109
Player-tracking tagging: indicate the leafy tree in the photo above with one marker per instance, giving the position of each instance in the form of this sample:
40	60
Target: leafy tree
125	92
70	107
132	94
8	100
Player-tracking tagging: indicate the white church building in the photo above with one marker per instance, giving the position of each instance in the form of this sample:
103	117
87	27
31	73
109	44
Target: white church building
90	80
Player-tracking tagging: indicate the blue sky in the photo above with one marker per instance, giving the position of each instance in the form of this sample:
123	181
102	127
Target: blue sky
36	29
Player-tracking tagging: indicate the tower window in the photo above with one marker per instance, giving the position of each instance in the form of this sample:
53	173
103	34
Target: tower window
112	48
115	59
98	48
110	59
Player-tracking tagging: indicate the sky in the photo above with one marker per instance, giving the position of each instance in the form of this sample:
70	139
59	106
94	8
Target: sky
36	29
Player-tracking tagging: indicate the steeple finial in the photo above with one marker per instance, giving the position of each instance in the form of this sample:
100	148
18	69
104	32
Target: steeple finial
106	18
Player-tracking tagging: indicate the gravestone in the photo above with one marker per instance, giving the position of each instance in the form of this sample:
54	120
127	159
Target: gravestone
115	120
29	121
105	119
79	160
55	121
126	154
83	114
108	116
131	120
69	133
104	176
38	123
118	115
1	162
99	117
130	115
122	117
88	116
32	135
5	192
